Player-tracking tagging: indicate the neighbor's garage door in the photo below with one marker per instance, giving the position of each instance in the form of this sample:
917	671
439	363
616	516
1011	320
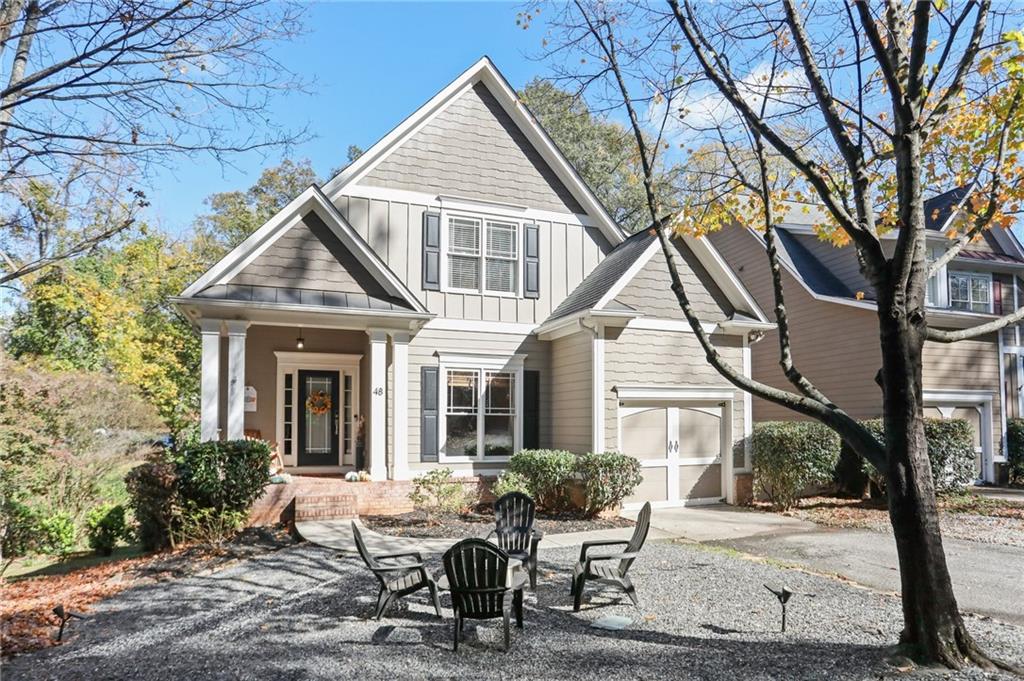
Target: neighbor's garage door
680	451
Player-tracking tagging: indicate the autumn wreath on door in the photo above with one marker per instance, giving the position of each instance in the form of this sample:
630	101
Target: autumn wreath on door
318	403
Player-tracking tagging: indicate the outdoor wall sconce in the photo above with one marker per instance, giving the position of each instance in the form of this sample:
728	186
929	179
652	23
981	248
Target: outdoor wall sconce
783	595
300	342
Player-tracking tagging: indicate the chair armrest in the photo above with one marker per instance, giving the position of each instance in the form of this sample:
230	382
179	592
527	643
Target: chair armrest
394	568
587	545
613	556
399	554
537	535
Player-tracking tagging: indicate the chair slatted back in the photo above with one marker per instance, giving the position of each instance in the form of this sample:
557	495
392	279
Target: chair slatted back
636	542
477	576
370	561
513	519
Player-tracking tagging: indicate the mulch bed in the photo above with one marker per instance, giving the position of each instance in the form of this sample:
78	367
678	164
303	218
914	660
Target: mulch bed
27	621
474	524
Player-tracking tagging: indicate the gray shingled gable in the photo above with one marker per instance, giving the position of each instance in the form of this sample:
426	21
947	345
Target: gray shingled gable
603	277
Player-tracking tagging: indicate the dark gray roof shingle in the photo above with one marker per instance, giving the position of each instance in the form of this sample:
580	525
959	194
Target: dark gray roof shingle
603	277
810	269
300	296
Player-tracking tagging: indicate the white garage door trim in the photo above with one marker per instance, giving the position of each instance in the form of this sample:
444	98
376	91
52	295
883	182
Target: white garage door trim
633	399
981	399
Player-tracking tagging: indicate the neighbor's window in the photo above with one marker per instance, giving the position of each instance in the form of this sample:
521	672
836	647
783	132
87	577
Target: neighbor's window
970	291
491	269
480	413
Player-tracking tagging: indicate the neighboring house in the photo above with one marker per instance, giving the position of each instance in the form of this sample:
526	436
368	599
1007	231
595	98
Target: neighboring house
457	294
835	330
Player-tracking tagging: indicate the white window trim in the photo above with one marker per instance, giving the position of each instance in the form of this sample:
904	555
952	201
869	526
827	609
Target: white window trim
972	274
463	361
941	278
483	217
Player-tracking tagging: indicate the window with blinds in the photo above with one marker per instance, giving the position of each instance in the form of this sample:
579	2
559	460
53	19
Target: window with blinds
493	268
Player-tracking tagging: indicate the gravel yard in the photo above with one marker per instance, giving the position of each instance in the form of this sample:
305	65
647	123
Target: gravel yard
457	526
299	614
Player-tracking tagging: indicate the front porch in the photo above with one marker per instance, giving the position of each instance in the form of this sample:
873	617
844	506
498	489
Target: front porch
330	400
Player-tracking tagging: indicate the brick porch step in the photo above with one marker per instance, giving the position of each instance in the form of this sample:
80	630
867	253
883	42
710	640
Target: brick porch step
325	506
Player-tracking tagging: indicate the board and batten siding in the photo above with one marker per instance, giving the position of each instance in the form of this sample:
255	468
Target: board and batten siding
670	359
423	349
571	389
474	149
568	253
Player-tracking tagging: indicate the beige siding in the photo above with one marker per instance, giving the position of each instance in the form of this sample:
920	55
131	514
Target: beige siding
474	149
836	346
300	259
568	252
650	292
662	358
423	349
571	390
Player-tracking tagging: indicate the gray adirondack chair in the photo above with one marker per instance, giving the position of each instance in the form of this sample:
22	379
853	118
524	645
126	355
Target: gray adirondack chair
514	532
599	568
481	586
397	575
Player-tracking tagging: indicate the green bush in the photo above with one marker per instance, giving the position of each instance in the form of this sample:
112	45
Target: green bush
1015	450
207	526
438	491
509	481
548	473
19	531
59	535
153	490
950	453
105	526
608	478
223	475
790	456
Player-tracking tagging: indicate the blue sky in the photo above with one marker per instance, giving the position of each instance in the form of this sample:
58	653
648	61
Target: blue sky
374	64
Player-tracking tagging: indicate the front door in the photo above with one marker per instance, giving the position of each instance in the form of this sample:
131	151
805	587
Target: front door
318	418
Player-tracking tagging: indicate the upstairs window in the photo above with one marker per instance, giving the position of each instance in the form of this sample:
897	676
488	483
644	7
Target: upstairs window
970	291
483	255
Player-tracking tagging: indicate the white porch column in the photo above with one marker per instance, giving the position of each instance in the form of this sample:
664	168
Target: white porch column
377	428
400	403
236	379
209	383
597	390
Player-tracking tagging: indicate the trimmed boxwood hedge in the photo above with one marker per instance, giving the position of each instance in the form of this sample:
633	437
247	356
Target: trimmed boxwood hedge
950	452
790	456
1015	450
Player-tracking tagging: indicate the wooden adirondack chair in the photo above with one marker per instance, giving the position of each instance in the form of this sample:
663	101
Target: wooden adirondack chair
514	532
398	576
481	585
597	568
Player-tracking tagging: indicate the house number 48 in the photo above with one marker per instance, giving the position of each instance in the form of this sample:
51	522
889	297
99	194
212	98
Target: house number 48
378	391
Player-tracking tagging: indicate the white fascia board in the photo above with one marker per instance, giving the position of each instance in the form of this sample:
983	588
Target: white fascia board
311	199
673	393
563	326
723	275
483	71
628	275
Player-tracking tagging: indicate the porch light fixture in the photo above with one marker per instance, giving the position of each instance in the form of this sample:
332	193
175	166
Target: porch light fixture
300	342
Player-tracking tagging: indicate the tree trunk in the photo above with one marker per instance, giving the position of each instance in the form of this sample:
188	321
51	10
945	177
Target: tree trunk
932	626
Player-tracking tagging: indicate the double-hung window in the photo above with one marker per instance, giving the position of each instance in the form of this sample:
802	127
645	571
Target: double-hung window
483	254
480	413
970	291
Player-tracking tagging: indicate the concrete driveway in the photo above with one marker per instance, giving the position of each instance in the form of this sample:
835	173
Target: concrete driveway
988	578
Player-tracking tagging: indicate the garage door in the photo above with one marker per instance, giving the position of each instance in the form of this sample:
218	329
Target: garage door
680	452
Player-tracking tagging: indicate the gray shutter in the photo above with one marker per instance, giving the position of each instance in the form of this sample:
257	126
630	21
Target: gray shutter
531	409
531	261
428	413
431	252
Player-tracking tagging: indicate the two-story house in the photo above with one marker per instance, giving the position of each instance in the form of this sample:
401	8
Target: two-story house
458	294
835	331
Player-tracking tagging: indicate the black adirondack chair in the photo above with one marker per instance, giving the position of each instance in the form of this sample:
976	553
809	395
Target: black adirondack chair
514	532
481	586
398	576
599	568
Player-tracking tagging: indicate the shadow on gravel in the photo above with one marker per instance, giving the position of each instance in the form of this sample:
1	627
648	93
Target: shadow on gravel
302	614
